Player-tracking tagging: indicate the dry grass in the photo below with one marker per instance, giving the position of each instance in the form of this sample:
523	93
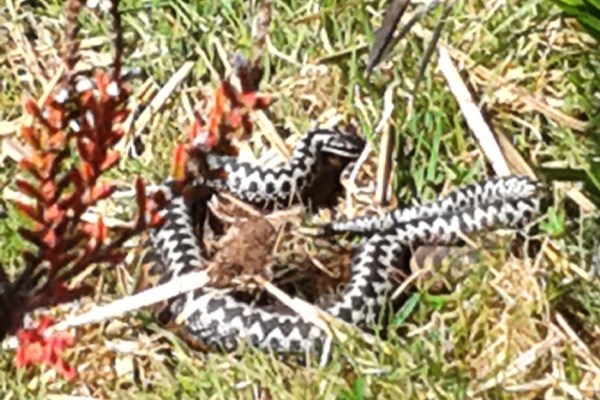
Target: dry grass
509	329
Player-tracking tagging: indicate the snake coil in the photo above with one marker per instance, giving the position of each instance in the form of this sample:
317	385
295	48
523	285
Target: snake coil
223	322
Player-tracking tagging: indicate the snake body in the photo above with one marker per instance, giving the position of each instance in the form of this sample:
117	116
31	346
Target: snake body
473	195
223	322
256	184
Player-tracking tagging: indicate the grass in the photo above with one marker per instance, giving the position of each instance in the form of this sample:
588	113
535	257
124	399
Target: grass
510	329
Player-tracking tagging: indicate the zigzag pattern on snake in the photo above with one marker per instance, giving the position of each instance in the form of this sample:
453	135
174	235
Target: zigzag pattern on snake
222	322
495	189
279	185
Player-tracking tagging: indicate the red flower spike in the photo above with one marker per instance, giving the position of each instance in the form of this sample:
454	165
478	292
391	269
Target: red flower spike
211	134
86	149
86	99
102	81
262	102
58	140
55	117
98	231
101	192
49	191
49	238
119	117
64	369
155	220
46	164
140	195
216	116
178	161
37	164
236	119
29	134
61	194
31	168
45	323
101	232
231	109
53	213
221	98
29	355
87	172
36	349
31	108
33	163
111	159
249	99
255	101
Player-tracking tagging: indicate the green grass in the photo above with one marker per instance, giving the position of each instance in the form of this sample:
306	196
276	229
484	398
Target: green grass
443	345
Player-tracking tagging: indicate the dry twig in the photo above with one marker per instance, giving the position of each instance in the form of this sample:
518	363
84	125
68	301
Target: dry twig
472	115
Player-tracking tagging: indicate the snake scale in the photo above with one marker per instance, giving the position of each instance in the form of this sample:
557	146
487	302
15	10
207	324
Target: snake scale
223	322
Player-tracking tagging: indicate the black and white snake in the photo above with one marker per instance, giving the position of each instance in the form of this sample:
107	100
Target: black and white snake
223	322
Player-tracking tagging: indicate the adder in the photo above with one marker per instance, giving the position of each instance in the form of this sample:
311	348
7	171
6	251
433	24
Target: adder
221	321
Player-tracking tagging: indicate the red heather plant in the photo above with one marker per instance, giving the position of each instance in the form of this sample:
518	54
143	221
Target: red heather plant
72	140
231	110
62	191
228	119
35	347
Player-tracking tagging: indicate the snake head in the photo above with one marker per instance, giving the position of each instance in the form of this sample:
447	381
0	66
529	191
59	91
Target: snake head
344	144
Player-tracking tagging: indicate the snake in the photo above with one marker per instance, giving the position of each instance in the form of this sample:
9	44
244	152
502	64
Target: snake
220	321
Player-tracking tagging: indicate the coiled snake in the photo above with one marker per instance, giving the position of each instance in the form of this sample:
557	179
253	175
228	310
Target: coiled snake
223	322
